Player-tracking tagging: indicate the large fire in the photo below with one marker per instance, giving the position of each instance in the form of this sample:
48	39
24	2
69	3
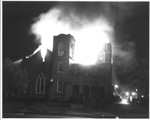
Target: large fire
90	38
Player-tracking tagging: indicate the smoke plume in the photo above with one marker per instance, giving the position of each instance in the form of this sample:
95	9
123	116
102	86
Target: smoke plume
74	17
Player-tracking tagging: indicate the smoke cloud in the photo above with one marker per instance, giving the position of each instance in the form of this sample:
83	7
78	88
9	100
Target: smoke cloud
71	17
83	13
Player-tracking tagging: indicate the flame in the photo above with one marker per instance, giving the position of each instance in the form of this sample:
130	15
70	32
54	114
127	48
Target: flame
124	101
43	52
90	41
90	38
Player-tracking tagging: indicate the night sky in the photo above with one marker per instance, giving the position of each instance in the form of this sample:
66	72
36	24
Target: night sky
17	18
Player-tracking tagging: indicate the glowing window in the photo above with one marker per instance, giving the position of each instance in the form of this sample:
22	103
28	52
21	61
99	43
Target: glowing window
60	49
71	50
60	67
40	84
102	57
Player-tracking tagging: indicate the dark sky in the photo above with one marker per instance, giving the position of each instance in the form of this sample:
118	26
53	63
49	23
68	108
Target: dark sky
19	16
17	20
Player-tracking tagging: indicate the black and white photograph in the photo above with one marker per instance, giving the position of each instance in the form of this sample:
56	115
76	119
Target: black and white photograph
75	59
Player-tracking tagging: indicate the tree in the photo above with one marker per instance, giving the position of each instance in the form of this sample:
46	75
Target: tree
14	78
138	76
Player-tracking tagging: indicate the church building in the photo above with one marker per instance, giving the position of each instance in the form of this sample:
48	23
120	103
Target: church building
60	78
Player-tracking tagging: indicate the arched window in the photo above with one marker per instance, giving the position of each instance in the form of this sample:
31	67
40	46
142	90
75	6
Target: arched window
59	86
25	88
93	92
40	84
60	49
101	92
75	90
102	57
86	90
60	67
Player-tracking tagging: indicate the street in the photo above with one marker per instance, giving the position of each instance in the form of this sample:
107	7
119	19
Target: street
55	110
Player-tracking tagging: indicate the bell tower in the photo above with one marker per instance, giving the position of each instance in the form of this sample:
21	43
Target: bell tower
63	52
105	55
108	53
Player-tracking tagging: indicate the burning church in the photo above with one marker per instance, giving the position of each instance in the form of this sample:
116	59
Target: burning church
60	77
